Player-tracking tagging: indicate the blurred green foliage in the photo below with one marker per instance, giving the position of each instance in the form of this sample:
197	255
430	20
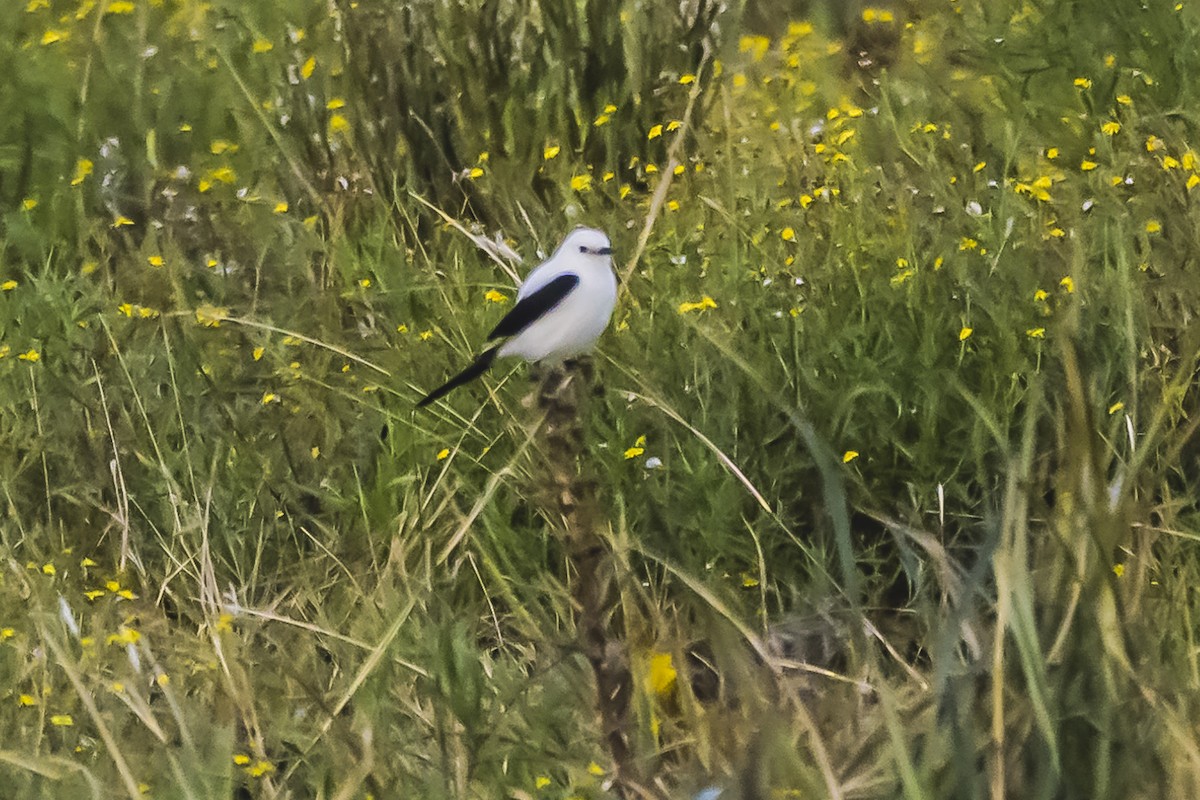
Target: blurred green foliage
951	243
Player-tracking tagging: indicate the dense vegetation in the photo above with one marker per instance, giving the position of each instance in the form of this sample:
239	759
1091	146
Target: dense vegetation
894	430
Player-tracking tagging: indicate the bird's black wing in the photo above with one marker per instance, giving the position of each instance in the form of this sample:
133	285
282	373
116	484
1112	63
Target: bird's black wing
530	309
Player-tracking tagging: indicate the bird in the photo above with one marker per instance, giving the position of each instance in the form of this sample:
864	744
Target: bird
562	308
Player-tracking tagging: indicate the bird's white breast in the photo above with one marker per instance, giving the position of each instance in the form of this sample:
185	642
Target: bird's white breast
573	326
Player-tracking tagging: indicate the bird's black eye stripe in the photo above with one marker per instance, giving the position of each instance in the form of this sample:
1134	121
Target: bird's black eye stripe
582	248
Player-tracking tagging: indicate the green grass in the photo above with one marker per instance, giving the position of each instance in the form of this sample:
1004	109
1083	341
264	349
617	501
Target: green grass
236	247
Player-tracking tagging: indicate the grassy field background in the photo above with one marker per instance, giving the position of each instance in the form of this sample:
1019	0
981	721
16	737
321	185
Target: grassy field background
894	430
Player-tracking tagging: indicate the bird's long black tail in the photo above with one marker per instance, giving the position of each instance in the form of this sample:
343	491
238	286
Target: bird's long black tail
477	368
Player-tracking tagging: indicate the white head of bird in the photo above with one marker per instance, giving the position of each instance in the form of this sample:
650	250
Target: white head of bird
562	307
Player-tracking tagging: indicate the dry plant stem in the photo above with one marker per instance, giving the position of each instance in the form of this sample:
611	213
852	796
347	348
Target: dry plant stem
562	396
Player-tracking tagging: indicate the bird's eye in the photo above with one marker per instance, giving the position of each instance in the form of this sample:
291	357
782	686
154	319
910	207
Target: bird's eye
583	248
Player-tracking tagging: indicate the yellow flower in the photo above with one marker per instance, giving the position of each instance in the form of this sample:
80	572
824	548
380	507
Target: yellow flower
1153	226
1083	83
119	7
32	356
52	36
980	166
1170	162
443	454
1115	407
1118	570
967	243
315	452
281	207
62	720
335	103
686	79
655	132
601	119
476	172
1087	166
541	782
365	283
1051	153
965	333
338	124
260	768
672	205
8	285
124	636
1153	143
756	46
262	46
48	569
550	152
595	769
849	456
639	447
155	261
83	168
27	700
221	146
29	203
1111	128
1192	181
494	296
673	125
661	674
788	234
268	398
1036	333
700	305
306	70
581	183
241	759
1040	295
651	169
1068	283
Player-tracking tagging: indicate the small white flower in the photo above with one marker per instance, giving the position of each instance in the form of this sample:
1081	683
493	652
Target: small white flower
653	462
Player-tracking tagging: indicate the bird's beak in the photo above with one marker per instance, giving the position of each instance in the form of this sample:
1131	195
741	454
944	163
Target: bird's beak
604	251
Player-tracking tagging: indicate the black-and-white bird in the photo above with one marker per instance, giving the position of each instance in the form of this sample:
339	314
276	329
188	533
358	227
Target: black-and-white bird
562	308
